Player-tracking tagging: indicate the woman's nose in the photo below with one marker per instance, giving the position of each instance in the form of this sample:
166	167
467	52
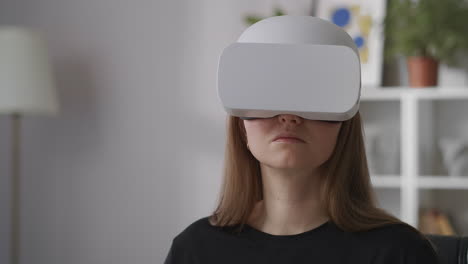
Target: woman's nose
287	118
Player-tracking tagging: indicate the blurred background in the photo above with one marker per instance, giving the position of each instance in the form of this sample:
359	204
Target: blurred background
133	150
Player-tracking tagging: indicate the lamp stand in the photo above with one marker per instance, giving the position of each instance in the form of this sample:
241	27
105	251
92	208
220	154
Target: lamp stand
15	187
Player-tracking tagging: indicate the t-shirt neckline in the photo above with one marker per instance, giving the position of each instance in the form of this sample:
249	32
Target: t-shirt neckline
260	235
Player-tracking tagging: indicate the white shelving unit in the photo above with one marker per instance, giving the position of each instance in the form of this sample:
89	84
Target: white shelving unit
415	178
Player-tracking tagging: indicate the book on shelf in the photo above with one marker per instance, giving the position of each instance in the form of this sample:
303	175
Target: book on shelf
434	221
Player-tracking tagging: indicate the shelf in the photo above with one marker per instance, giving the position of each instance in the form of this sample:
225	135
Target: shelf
443	182
379	94
442	93
386	181
397	92
403	129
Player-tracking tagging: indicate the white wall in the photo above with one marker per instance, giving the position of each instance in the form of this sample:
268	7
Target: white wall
135	155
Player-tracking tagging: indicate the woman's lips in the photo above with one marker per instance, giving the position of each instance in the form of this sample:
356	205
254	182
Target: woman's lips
289	139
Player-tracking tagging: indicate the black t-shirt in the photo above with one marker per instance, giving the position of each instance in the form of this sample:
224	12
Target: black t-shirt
202	243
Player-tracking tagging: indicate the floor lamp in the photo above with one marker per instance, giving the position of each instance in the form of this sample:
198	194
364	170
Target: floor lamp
26	88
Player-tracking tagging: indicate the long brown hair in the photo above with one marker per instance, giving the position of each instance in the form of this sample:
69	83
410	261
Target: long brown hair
346	189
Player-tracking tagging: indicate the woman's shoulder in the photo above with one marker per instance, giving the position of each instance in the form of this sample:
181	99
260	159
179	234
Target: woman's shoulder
388	235
398	242
401	234
196	229
202	231
185	242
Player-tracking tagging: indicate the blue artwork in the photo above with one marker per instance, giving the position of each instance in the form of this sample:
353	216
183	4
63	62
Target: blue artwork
341	16
359	41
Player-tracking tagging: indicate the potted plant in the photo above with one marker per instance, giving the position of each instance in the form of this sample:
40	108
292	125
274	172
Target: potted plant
426	32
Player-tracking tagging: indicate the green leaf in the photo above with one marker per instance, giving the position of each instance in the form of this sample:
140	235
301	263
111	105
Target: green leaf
252	19
278	12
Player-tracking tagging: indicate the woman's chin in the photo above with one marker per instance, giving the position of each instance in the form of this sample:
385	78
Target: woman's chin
291	164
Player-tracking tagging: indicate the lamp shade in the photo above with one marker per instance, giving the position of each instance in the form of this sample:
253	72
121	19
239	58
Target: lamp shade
26	81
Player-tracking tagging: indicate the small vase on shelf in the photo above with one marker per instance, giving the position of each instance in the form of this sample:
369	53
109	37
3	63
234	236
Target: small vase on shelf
423	71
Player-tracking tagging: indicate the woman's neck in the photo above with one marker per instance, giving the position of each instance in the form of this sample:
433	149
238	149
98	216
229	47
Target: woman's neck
290	204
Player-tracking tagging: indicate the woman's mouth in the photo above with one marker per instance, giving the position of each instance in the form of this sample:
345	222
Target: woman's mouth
289	140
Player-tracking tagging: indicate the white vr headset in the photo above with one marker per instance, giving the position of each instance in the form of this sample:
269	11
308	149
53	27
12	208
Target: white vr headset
300	65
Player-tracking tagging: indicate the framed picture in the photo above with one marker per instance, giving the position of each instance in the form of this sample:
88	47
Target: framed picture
362	19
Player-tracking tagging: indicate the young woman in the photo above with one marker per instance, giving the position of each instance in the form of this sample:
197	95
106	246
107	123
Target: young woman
298	191
302	200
